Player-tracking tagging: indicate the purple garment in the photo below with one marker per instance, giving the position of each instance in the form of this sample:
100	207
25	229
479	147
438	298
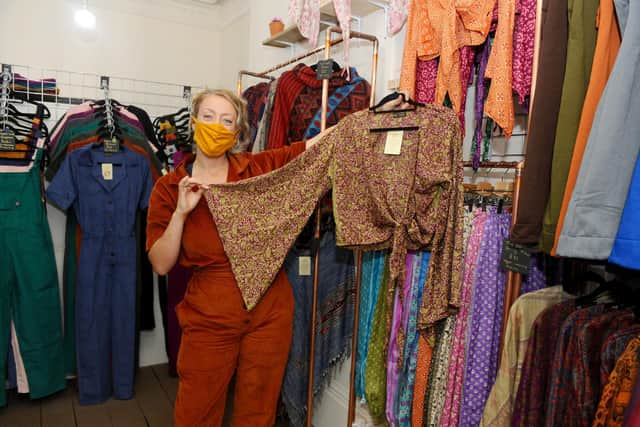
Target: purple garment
467	58
524	35
481	94
177	286
451	408
536	279
399	320
486	321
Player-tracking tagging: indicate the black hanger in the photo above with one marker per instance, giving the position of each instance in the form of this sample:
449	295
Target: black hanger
335	67
42	112
393	96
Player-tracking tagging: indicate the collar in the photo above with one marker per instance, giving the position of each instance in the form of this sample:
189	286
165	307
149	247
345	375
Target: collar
238	164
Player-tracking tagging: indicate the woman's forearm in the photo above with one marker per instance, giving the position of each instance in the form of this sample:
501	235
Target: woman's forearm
165	251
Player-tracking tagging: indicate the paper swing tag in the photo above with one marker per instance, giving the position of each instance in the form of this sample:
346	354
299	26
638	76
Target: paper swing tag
107	171
304	266
393	144
7	141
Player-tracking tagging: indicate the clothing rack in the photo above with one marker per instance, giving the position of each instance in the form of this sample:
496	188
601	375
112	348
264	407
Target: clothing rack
104	84
328	42
514	280
155	97
4	95
265	74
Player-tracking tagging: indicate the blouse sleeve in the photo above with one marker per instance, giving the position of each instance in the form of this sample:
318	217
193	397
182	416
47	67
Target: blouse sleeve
273	159
162	204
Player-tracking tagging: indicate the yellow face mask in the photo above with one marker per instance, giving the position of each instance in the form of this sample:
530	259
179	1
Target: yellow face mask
213	139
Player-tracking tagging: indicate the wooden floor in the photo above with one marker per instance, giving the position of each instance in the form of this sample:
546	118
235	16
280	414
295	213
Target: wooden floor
152	406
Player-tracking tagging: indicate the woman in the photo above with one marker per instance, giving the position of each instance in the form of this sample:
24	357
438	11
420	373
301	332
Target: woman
219	336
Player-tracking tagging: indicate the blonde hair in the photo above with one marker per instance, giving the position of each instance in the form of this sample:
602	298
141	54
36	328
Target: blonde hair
242	118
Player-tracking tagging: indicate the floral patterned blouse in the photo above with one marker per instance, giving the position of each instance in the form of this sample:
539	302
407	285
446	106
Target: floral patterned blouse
412	200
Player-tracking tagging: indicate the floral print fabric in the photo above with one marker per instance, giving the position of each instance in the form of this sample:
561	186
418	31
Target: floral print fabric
407	201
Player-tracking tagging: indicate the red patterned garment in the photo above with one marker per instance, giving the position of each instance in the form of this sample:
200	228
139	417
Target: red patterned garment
299	97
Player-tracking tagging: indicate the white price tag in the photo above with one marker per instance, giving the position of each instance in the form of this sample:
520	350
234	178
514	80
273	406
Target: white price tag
393	144
107	171
304	266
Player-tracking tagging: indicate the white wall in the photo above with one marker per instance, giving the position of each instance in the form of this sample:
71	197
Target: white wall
151	40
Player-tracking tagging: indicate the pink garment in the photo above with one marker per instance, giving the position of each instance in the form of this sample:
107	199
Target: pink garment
399	321
426	76
523	45
451	408
426	73
398	10
467	58
306	15
21	374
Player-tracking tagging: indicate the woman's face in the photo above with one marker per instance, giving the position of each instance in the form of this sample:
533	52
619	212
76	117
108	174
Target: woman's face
215	109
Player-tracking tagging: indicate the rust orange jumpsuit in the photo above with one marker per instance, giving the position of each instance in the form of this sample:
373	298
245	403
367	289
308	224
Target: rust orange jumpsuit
218	333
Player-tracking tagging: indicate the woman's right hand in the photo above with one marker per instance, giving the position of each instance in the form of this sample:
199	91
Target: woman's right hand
189	193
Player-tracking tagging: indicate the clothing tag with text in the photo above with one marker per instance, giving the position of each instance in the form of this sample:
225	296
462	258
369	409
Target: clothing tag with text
107	171
7	141
111	146
304	266
393	144
515	257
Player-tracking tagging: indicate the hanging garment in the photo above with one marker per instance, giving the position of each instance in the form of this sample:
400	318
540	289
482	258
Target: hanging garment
530	401
436	389
595	209
561	405
632	413
580	51
375	381
613	348
534	187
523	313
616	394
105	201
476	148
604	57
260	143
341	94
523	48
372	268
398	320
451	409
423	365
29	284
208	315
334	324
425	81
299	97
485	321
441	30
405	396
427	173
626	247
256	97
306	15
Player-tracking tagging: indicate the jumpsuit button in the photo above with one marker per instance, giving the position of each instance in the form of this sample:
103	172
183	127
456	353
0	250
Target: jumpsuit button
17	203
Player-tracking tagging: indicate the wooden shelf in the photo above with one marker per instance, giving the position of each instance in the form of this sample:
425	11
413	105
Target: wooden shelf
291	35
359	8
